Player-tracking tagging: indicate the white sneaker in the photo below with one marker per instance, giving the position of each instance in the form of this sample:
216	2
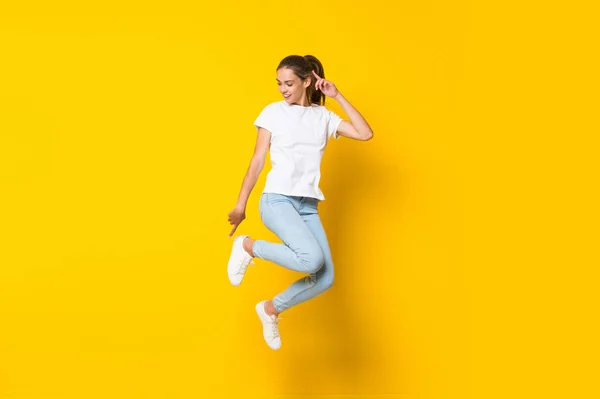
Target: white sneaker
270	327
238	261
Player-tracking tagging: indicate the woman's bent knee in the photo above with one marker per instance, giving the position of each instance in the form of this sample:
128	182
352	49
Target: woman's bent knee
313	262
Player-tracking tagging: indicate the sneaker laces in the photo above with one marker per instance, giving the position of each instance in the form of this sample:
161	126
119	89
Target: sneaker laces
244	263
274	326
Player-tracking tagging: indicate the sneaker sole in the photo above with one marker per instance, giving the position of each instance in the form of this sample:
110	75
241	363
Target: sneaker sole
230	273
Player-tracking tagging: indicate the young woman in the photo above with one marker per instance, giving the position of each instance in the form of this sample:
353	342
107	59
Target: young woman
296	131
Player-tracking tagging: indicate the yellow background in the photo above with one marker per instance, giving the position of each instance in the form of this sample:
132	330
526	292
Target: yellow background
461	234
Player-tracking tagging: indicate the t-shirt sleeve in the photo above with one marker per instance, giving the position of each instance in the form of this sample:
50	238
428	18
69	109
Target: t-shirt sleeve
333	122
265	119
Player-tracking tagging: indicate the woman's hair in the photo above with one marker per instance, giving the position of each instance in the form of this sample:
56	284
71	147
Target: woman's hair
303	67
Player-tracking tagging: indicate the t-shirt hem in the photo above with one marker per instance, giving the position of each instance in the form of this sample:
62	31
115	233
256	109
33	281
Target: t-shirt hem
293	194
335	134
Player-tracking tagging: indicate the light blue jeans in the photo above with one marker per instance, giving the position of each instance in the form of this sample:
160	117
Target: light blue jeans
295	220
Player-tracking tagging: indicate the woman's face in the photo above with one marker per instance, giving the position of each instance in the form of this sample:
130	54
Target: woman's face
291	87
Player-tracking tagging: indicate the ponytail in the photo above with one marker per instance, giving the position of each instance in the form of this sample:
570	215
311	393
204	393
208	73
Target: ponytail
316	96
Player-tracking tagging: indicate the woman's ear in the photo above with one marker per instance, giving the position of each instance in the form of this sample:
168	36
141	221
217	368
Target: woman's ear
307	81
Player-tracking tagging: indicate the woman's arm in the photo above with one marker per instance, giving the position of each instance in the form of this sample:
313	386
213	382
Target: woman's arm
238	214
357	128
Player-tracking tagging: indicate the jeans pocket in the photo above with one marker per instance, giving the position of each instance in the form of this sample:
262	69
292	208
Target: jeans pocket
272	199
275	205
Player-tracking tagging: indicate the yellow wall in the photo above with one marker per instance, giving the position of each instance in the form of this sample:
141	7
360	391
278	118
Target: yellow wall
125	132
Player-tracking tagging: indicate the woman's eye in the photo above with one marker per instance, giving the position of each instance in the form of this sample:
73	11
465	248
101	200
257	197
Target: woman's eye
290	84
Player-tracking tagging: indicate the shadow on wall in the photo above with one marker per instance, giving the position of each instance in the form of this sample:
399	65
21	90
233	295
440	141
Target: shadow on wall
337	347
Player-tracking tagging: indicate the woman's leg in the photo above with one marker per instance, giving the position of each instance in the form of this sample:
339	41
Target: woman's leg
296	222
317	282
300	250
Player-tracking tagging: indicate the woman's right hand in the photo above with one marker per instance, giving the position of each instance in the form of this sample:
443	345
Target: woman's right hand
236	216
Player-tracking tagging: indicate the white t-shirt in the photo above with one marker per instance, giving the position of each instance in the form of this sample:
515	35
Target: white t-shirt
299	136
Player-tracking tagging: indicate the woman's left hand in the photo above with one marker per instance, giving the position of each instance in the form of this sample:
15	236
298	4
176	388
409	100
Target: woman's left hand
326	87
